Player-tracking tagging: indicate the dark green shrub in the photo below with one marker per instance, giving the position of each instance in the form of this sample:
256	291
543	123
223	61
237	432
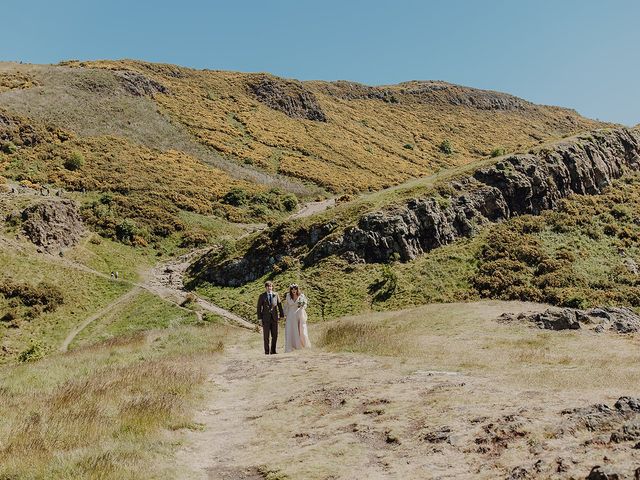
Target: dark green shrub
8	148
290	202
446	147
126	229
497	152
74	162
33	352
236	197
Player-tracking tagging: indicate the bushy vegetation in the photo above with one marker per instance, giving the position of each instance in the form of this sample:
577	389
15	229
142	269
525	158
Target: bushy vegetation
261	203
446	147
362	147
497	152
74	162
43	297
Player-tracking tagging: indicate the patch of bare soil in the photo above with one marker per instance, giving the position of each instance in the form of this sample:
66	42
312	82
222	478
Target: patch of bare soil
318	415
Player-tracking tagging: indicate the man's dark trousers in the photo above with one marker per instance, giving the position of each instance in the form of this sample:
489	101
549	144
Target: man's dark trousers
270	326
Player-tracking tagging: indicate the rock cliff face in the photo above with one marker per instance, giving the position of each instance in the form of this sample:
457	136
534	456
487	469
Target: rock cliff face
516	185
287	96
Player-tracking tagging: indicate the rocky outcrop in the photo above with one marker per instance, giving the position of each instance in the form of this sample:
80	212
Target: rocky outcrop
53	225
139	85
287	96
427	92
519	184
515	185
619	320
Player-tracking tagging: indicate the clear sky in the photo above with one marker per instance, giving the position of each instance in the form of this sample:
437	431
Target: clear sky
583	54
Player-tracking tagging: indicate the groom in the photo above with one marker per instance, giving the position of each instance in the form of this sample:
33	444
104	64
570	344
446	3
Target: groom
269	306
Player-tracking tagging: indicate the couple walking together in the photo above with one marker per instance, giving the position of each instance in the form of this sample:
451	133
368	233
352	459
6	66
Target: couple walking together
294	309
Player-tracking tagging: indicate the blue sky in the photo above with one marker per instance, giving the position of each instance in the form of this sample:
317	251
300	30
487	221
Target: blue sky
580	54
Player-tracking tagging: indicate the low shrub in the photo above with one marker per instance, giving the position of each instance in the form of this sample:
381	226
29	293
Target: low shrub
446	147
74	162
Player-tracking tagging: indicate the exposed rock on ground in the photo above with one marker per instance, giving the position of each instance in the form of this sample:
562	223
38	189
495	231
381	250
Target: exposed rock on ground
53	225
287	96
621	320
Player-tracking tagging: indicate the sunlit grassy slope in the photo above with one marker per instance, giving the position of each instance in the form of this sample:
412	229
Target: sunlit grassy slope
581	255
373	137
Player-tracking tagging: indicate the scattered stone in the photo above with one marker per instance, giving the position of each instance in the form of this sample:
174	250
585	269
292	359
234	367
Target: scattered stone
629	432
564	319
600	473
618	319
519	473
391	437
631	266
623	320
440	435
628	405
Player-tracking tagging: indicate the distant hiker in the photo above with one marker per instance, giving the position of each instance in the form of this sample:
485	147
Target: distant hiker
112	275
116	274
269	310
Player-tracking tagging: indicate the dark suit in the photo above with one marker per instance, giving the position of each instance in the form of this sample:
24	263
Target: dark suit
269	313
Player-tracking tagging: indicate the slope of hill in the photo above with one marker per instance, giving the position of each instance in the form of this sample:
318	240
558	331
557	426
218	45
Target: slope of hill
568	236
341	136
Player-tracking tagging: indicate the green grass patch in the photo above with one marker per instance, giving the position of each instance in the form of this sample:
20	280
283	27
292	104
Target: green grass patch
144	311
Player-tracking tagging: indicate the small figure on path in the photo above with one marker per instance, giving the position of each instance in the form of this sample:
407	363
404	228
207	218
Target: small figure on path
116	274
112	275
269	310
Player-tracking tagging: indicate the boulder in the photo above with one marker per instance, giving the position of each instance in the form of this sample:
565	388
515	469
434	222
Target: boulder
53	225
602	473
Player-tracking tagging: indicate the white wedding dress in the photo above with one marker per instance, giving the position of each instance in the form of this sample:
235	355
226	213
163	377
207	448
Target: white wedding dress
295	331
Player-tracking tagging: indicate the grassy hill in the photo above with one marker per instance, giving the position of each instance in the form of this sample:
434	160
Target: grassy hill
162	159
342	136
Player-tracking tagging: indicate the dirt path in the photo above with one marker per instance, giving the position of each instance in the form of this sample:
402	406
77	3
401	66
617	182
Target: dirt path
315	414
118	301
312	208
319	415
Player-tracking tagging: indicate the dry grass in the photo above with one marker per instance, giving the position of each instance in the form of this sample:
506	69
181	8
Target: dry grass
465	338
104	411
366	144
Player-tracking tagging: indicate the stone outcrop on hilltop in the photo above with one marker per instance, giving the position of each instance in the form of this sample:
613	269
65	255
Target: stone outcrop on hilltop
139	85
287	96
515	185
427	92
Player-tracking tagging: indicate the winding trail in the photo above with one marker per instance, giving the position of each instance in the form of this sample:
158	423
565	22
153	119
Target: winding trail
118	301
165	281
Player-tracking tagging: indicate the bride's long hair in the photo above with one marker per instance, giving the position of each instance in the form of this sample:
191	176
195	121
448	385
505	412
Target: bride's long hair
293	287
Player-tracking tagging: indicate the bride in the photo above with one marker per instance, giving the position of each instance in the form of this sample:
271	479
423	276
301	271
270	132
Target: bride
295	309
